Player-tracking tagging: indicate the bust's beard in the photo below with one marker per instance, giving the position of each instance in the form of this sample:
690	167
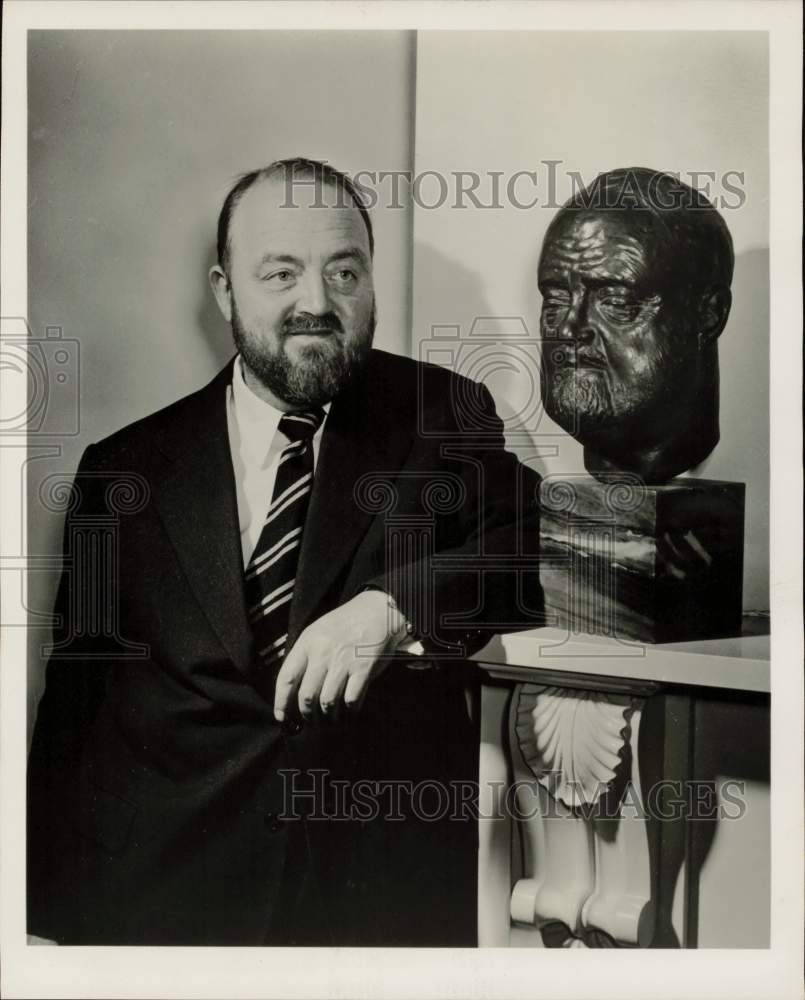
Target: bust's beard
601	411
320	373
580	400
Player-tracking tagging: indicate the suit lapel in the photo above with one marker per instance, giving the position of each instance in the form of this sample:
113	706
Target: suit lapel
360	437
195	496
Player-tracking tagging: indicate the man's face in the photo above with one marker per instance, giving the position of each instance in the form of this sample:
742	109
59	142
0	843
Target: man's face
618	344
300	290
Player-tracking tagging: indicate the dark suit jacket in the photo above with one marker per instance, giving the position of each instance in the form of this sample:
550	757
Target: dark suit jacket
156	801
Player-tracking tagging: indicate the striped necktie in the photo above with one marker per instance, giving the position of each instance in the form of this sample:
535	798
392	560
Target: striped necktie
271	572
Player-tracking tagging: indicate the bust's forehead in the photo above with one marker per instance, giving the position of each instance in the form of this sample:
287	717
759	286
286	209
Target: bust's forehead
621	243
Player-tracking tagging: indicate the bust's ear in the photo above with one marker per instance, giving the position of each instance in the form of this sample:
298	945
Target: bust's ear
714	310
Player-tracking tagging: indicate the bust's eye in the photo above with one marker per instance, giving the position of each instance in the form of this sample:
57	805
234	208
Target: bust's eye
553	308
619	308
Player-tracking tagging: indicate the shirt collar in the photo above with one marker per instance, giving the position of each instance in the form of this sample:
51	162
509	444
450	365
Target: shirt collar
256	419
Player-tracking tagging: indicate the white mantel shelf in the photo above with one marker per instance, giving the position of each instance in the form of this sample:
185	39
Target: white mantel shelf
738	663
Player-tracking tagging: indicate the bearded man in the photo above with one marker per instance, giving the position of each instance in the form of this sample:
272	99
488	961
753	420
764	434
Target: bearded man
300	522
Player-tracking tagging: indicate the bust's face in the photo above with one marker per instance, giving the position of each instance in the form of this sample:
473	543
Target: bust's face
619	343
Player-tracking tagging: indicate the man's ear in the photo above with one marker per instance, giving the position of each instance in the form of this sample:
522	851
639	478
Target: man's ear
714	310
219	283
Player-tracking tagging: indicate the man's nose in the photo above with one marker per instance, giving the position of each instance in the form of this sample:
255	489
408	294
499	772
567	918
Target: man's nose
576	324
313	296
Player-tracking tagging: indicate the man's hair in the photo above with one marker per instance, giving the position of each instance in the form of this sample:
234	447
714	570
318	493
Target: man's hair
298	167
698	238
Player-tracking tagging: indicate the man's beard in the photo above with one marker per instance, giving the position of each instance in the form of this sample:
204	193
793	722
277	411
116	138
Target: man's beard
320	372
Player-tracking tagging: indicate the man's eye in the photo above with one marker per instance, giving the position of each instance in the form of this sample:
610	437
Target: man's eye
280	278
344	277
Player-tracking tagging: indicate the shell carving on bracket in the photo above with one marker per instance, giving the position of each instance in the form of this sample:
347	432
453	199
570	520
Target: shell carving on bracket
573	741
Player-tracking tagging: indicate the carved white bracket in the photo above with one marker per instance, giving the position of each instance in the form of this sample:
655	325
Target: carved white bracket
586	871
573	741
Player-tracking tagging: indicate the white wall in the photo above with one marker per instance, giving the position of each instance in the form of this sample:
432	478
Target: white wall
685	102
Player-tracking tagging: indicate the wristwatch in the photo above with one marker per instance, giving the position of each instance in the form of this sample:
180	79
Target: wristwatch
410	631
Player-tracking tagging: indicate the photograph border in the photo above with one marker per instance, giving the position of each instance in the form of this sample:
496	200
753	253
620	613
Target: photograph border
30	971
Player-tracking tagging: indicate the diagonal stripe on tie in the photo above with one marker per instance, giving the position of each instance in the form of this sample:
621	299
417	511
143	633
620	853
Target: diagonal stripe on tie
258	565
271	573
300	494
301	418
274	650
287	551
277	596
278	498
290	451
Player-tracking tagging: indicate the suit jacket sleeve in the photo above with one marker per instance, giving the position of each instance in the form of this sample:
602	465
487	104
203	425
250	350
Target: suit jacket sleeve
74	682
482	575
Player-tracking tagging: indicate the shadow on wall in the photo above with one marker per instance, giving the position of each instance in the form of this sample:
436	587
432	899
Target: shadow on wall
742	453
471	339
743	350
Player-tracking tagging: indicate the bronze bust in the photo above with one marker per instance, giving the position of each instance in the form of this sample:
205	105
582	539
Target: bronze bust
635	277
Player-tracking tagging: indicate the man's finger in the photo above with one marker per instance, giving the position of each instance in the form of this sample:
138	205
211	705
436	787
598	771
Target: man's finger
355	691
331	691
310	687
288	679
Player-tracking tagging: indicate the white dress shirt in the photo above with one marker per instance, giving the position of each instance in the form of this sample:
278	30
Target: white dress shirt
256	443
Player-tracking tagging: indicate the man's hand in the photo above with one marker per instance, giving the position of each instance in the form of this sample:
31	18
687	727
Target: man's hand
335	658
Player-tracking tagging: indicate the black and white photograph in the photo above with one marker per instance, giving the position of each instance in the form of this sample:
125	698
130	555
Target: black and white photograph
402	500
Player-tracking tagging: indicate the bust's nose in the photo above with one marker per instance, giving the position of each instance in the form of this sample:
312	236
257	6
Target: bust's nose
576	324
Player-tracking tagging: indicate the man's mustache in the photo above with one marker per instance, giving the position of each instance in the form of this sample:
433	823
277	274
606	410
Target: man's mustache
325	324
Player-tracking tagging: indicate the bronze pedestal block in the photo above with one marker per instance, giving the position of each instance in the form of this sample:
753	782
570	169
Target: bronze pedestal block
651	563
